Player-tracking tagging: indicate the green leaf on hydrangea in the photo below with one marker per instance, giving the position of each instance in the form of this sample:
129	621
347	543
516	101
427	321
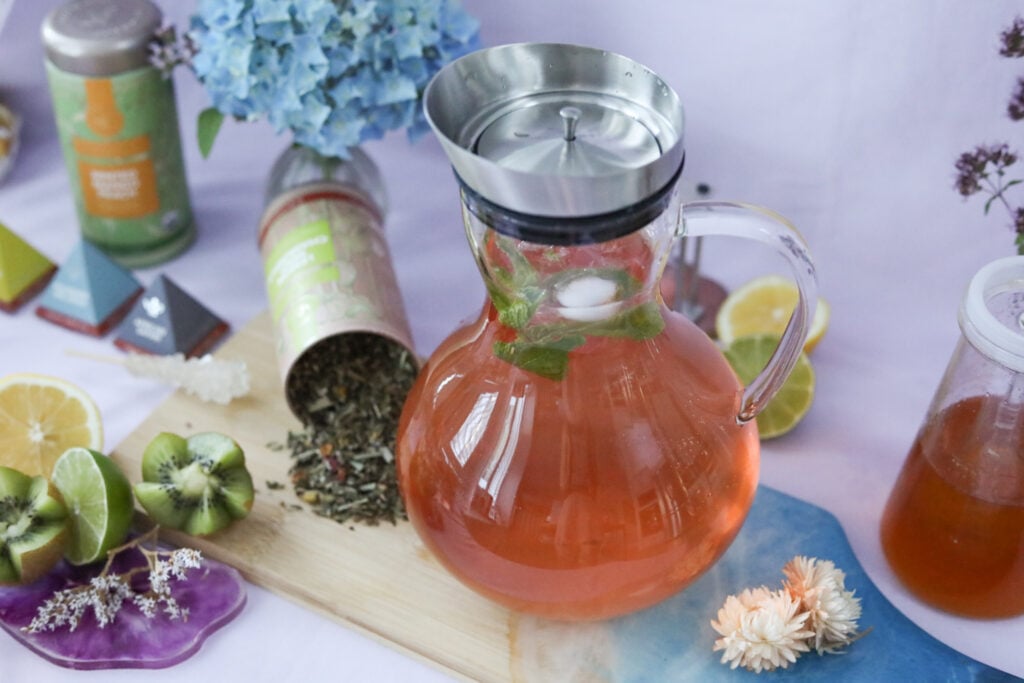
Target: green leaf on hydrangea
210	120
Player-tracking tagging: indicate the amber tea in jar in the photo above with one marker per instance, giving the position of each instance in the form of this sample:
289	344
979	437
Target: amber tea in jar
118	127
953	528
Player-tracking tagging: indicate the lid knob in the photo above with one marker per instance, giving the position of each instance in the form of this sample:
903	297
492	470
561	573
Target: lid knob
570	117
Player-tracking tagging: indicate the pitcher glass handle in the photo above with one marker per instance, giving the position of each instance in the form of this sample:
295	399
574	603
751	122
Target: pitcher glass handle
736	219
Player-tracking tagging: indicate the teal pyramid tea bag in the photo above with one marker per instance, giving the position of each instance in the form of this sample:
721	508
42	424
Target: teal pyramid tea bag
90	294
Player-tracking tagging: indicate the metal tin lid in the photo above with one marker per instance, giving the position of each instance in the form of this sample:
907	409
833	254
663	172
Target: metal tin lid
100	37
557	131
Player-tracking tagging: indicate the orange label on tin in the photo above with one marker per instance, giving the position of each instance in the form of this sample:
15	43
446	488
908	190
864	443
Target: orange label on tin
101	112
112	148
119	190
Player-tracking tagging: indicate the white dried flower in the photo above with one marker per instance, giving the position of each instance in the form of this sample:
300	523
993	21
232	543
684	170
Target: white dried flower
761	630
107	592
832	610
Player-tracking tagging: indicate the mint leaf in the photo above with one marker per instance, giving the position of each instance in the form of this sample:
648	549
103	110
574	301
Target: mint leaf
547	360
516	313
523	272
643	321
640	322
207	128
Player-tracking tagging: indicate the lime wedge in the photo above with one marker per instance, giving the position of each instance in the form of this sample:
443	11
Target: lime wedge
748	356
99	501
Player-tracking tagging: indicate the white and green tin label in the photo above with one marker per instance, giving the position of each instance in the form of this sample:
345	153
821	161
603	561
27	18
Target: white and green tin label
328	271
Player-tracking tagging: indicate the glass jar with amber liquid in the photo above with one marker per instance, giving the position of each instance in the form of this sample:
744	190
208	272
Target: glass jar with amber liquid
953	528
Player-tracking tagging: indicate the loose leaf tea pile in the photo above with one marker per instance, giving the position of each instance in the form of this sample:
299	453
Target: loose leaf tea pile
348	391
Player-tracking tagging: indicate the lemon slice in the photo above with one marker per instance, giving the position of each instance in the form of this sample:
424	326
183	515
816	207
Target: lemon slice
99	501
764	305
748	356
40	418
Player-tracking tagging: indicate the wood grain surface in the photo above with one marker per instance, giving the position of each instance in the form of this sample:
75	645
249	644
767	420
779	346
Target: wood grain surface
378	580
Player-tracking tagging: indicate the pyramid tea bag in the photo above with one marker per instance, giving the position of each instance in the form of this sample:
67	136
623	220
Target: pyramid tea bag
91	292
166	319
24	272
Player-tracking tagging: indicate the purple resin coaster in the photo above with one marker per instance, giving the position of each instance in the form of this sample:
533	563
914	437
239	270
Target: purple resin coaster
24	272
213	594
90	294
167	320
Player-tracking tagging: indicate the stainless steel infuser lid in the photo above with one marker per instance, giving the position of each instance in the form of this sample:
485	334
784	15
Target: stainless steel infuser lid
100	37
558	131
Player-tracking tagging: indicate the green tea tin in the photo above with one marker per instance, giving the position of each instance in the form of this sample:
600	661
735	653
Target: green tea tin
118	126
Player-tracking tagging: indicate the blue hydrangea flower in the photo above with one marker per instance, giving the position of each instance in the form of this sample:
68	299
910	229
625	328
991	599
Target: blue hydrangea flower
335	73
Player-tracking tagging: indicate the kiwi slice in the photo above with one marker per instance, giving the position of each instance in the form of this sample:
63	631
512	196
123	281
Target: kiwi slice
33	527
199	484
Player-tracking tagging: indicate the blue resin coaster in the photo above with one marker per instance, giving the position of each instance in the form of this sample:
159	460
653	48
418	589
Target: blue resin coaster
167	320
672	641
91	292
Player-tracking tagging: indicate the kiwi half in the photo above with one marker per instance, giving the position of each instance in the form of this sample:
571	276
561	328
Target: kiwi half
33	527
199	484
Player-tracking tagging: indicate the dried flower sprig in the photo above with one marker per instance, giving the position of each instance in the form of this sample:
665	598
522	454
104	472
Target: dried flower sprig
168	50
1013	39
107	592
764	630
985	168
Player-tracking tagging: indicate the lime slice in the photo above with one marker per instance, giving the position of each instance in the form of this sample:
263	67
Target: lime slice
748	356
99	501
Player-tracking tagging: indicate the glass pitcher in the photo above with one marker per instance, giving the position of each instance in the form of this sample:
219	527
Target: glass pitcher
580	451
953	528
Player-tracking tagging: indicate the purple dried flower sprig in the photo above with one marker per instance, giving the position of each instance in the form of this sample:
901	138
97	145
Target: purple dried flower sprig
1015	108
1013	39
105	594
985	169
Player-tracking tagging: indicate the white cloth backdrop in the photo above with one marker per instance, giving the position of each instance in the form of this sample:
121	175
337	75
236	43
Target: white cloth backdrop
845	116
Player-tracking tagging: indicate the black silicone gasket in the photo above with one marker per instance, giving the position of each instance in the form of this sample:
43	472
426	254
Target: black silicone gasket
567	232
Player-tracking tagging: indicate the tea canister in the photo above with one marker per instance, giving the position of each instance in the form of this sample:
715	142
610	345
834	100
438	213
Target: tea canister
328	267
118	127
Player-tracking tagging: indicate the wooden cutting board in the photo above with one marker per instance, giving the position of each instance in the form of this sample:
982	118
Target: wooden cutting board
378	580
383	582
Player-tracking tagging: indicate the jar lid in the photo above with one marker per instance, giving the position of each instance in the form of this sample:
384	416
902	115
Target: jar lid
100	37
589	137
992	312
557	131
